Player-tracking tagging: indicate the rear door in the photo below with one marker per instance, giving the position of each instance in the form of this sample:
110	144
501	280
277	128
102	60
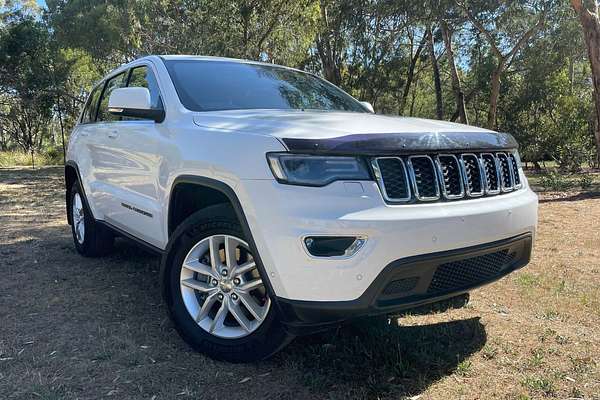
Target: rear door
130	168
83	150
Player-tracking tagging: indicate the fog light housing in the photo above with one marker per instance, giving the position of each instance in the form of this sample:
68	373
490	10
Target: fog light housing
333	246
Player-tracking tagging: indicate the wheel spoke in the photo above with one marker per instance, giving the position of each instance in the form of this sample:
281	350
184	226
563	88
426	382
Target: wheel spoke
207	306
249	286
245	267
201	268
252	306
199	286
230	252
217	322
215	256
238	314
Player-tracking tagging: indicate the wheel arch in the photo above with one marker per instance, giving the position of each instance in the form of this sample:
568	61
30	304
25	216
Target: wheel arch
71	176
223	192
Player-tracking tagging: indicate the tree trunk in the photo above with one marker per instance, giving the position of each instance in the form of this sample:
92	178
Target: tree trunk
411	74
590	21
456	85
494	94
439	104
326	52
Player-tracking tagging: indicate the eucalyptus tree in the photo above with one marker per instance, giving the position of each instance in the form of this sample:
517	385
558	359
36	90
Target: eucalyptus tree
589	15
507	26
25	81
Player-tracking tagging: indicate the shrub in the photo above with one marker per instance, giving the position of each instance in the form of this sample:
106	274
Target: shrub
585	181
555	181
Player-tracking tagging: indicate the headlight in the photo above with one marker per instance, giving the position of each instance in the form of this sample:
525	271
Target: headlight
308	170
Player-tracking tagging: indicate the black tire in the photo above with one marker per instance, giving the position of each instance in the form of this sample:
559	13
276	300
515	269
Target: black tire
265	341
97	240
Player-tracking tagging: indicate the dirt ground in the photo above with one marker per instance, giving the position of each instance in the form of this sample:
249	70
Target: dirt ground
76	328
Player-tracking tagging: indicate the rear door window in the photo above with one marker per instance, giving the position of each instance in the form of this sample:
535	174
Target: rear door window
89	113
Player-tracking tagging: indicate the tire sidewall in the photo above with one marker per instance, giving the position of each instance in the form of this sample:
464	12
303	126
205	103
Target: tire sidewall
87	218
259	342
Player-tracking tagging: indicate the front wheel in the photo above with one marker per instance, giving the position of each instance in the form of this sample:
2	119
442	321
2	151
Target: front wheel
217	297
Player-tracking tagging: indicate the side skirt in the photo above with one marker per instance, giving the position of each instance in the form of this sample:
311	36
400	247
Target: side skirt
145	245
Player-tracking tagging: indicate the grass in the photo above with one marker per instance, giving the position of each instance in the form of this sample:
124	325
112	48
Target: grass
11	159
553	180
80	328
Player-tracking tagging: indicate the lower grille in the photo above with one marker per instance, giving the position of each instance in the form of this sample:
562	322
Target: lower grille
469	272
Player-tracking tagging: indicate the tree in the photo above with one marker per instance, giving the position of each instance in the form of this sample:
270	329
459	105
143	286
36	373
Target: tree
495	38
25	82
437	82
587	10
457	89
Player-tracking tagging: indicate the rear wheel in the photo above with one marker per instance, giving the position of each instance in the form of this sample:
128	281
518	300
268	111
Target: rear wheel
90	238
216	294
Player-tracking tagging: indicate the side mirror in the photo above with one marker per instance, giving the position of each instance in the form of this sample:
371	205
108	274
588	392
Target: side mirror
368	106
133	102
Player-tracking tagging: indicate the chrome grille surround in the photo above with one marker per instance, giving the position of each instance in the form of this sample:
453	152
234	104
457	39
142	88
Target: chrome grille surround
445	176
472	175
492	174
445	180
507	178
515	168
375	164
421	172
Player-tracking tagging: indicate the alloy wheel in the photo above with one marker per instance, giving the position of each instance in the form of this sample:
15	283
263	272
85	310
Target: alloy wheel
222	289
78	218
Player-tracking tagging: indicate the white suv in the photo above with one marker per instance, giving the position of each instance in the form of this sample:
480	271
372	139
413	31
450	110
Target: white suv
281	205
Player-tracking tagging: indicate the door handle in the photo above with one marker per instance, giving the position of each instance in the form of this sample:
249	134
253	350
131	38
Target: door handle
113	134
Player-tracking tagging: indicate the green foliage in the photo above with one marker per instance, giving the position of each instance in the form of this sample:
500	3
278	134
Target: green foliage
586	181
376	50
555	181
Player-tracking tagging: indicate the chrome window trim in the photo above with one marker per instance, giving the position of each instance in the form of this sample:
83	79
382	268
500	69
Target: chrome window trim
442	183
498	178
506	189
411	172
381	184
465	176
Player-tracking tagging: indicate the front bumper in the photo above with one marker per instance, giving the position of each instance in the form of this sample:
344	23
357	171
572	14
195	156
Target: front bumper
279	216
415	281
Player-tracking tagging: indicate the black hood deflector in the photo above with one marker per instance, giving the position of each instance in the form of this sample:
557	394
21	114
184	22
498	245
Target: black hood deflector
403	143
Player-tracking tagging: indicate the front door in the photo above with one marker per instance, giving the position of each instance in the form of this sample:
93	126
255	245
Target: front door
131	172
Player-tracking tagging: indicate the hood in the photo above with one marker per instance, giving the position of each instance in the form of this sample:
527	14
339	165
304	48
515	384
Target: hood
346	132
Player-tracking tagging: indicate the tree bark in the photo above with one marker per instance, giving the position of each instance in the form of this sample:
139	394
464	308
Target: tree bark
437	82
494	95
325	49
456	84
590	21
411	74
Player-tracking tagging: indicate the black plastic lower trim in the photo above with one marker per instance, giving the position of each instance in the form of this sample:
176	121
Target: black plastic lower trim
310	316
145	245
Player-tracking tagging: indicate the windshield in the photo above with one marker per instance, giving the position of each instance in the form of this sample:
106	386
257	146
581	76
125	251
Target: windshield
224	85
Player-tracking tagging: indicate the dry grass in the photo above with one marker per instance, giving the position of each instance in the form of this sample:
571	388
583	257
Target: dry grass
93	328
11	159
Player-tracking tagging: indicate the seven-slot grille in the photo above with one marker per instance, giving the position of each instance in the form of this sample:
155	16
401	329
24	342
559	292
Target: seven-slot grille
446	176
